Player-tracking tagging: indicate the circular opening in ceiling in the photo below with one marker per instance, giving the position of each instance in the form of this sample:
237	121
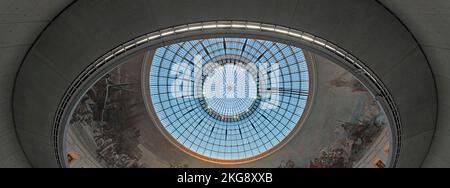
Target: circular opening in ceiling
104	104
228	100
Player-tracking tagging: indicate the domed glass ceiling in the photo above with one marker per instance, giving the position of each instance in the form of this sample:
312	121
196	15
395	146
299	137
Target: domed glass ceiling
225	99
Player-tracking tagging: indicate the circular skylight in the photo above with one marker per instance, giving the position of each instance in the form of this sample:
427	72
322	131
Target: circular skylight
229	99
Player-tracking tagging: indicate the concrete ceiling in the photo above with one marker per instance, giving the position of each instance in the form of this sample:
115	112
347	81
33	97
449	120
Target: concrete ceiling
429	21
22	21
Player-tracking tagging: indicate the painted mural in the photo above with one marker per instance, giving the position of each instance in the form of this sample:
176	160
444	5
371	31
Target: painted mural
111	128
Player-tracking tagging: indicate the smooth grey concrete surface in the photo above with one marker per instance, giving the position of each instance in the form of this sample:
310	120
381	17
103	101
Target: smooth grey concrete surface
362	27
88	29
21	22
429	21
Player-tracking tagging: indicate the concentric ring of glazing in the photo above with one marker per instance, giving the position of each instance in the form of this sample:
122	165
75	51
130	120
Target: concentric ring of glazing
282	82
230	91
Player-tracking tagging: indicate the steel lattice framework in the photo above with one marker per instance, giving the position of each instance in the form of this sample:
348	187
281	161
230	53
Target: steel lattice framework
216	130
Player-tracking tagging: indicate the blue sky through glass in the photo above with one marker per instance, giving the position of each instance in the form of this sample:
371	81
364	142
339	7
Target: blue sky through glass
187	118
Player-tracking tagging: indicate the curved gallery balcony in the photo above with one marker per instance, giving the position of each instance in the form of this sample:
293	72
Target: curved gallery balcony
255	102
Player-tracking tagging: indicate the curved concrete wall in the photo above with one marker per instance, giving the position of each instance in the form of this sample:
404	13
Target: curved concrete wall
430	23
88	29
21	22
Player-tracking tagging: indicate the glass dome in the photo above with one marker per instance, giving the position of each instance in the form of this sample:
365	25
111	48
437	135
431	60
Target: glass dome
233	96
228	99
